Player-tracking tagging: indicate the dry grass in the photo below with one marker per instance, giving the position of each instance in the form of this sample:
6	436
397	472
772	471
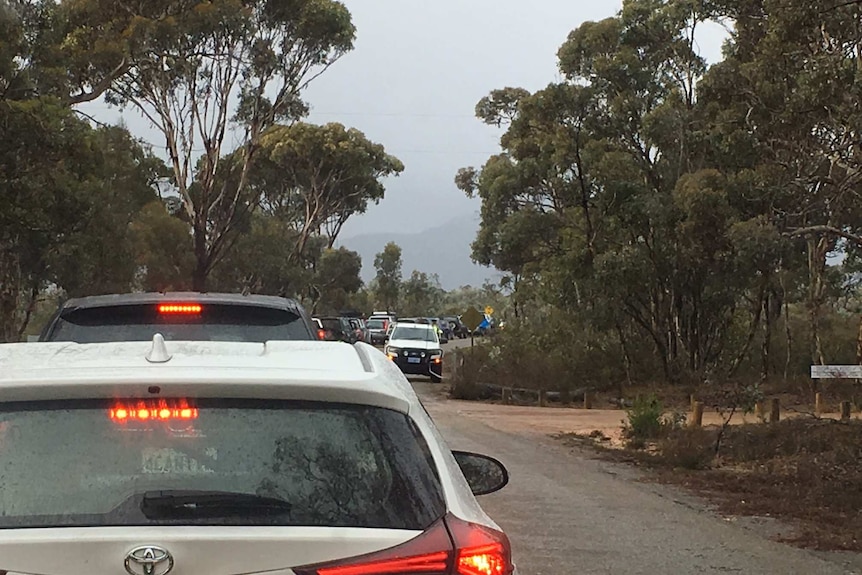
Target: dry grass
804	471
796	396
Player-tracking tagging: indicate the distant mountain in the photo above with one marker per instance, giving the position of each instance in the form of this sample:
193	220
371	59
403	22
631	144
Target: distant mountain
443	250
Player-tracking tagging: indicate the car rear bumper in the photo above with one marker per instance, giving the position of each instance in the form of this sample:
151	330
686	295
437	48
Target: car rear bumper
423	368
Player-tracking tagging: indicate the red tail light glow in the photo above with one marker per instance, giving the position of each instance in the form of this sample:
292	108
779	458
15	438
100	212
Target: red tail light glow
488	560
177	308
321	334
431	563
146	411
477	550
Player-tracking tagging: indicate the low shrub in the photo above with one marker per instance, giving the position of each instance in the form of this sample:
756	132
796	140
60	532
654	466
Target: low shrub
644	420
692	448
470	371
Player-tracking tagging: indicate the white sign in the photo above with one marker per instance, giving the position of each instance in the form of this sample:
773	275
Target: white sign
836	371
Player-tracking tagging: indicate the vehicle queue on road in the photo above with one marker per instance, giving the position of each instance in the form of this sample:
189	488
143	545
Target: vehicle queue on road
202	433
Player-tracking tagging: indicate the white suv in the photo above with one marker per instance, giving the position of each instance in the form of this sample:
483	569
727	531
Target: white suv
284	458
415	349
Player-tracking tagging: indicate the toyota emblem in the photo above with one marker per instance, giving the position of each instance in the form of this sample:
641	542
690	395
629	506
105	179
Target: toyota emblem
149	560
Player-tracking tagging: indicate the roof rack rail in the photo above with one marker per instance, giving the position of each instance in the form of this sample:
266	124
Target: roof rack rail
363	357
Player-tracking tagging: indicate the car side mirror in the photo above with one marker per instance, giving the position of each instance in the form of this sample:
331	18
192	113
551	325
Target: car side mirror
484	474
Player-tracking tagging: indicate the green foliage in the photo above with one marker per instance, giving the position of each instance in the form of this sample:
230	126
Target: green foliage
644	420
474	371
69	195
336	279
163	250
181	64
388	278
316	177
658	200
420	294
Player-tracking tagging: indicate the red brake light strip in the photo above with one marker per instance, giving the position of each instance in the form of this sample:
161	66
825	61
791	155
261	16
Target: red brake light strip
430	563
122	413
175	308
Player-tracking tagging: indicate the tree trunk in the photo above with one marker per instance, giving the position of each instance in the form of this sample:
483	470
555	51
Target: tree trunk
788	334
817	250
859	342
752	332
29	310
201	271
10	292
627	358
767	338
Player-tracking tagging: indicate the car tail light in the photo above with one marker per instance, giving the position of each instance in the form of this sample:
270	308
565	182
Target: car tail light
477	550
152	411
321	334
480	550
180	308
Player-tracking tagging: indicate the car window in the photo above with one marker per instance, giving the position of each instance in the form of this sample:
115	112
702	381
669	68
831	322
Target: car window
214	323
375	324
333	324
80	463
414	333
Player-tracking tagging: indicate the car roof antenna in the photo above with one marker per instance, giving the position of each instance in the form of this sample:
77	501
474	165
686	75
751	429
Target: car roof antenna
159	352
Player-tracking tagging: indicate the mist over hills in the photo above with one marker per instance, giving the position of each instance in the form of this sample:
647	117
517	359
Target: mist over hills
443	250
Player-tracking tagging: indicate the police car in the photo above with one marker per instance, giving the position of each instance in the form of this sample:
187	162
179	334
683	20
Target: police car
187	458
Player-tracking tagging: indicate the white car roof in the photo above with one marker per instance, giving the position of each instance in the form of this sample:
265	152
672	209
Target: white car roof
412	324
303	370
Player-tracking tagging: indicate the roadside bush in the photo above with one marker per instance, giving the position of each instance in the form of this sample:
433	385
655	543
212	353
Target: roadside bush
559	353
825	439
691	448
647	420
644	420
470	374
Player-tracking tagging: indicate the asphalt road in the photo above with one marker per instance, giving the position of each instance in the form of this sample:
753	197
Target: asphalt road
570	514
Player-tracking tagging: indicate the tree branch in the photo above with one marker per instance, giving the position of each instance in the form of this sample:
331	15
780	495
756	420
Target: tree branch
826	230
102	86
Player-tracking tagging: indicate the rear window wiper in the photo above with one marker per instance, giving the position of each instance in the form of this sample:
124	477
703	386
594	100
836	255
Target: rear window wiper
175	504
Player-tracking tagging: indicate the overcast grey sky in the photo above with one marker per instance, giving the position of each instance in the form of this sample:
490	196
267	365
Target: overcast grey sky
412	82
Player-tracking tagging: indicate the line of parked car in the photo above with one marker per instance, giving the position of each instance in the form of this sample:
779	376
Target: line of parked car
377	328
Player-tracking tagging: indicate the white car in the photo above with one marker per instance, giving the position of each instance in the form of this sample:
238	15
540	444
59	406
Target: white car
195	458
415	349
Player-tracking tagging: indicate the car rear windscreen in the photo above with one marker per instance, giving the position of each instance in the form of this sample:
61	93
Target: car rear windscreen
206	322
331	324
101	463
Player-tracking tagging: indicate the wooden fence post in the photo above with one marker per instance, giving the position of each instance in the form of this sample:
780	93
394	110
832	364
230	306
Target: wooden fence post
543	398
845	410
507	396
588	400
697	414
818	403
775	412
758	410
